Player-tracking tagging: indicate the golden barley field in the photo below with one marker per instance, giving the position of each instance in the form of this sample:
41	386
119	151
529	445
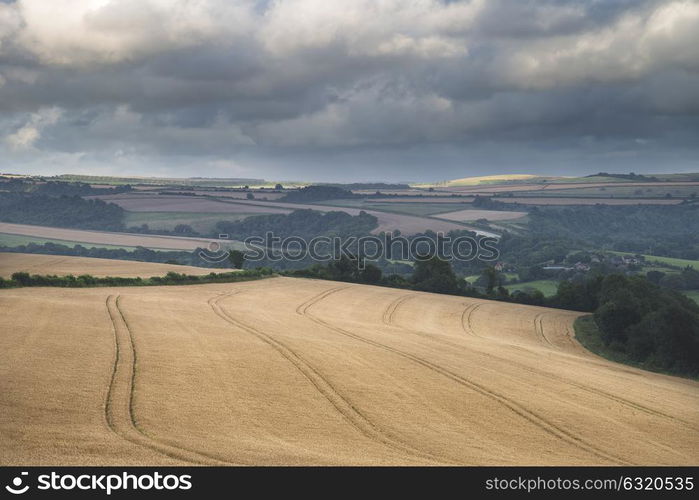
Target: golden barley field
62	265
287	371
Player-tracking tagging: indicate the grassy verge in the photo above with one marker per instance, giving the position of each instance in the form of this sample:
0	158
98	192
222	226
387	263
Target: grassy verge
589	335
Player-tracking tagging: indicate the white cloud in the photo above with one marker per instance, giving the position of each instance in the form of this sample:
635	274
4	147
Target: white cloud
26	136
82	32
637	44
367	27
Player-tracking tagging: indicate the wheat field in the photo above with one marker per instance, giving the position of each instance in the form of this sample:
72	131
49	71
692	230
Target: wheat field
289	371
61	265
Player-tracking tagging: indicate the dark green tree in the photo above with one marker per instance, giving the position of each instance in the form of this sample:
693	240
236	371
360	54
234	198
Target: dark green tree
435	275
236	258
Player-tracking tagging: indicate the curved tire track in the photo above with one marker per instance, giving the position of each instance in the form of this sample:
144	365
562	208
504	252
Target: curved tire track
391	310
468	329
466	319
118	408
529	415
539	329
343	406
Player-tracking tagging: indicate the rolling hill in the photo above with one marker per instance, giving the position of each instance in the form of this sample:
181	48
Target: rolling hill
334	373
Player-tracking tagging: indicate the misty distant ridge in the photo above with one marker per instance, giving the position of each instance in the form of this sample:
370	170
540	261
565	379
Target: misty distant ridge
365	185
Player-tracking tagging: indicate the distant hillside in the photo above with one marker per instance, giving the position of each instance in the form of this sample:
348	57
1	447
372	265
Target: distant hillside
357	186
161	181
485	179
600	177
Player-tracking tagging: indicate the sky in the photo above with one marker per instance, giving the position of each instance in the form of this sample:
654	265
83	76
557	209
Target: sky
348	90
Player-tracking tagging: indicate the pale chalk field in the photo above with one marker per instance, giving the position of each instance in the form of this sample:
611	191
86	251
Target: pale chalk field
291	371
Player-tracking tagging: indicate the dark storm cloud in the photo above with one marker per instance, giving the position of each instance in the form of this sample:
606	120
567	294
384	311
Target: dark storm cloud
341	90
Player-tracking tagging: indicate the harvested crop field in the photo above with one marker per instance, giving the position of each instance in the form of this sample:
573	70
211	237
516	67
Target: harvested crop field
424	199
407	224
194	204
240	195
554	186
106	238
491	215
545	200
62	265
334	373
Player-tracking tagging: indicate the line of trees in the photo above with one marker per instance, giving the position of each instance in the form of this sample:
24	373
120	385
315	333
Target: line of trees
23	279
140	254
58	188
651	325
300	223
317	193
60	211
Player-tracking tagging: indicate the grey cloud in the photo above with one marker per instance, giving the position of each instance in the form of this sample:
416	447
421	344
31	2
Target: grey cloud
337	90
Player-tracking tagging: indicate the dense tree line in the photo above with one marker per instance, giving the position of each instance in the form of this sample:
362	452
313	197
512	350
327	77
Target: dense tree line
56	188
671	231
310	194
430	274
301	223
368	185
172	278
630	176
687	279
651	325
138	254
61	211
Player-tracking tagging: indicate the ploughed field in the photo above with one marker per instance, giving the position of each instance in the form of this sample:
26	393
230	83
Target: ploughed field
293	371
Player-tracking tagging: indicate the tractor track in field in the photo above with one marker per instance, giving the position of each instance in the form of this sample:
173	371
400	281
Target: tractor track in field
466	319
321	383
539	329
469	330
391	309
119	402
523	412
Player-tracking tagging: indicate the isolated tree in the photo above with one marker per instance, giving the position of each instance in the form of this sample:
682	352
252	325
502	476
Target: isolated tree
250	196
491	279
184	229
236	258
655	276
278	187
371	274
344	269
434	275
